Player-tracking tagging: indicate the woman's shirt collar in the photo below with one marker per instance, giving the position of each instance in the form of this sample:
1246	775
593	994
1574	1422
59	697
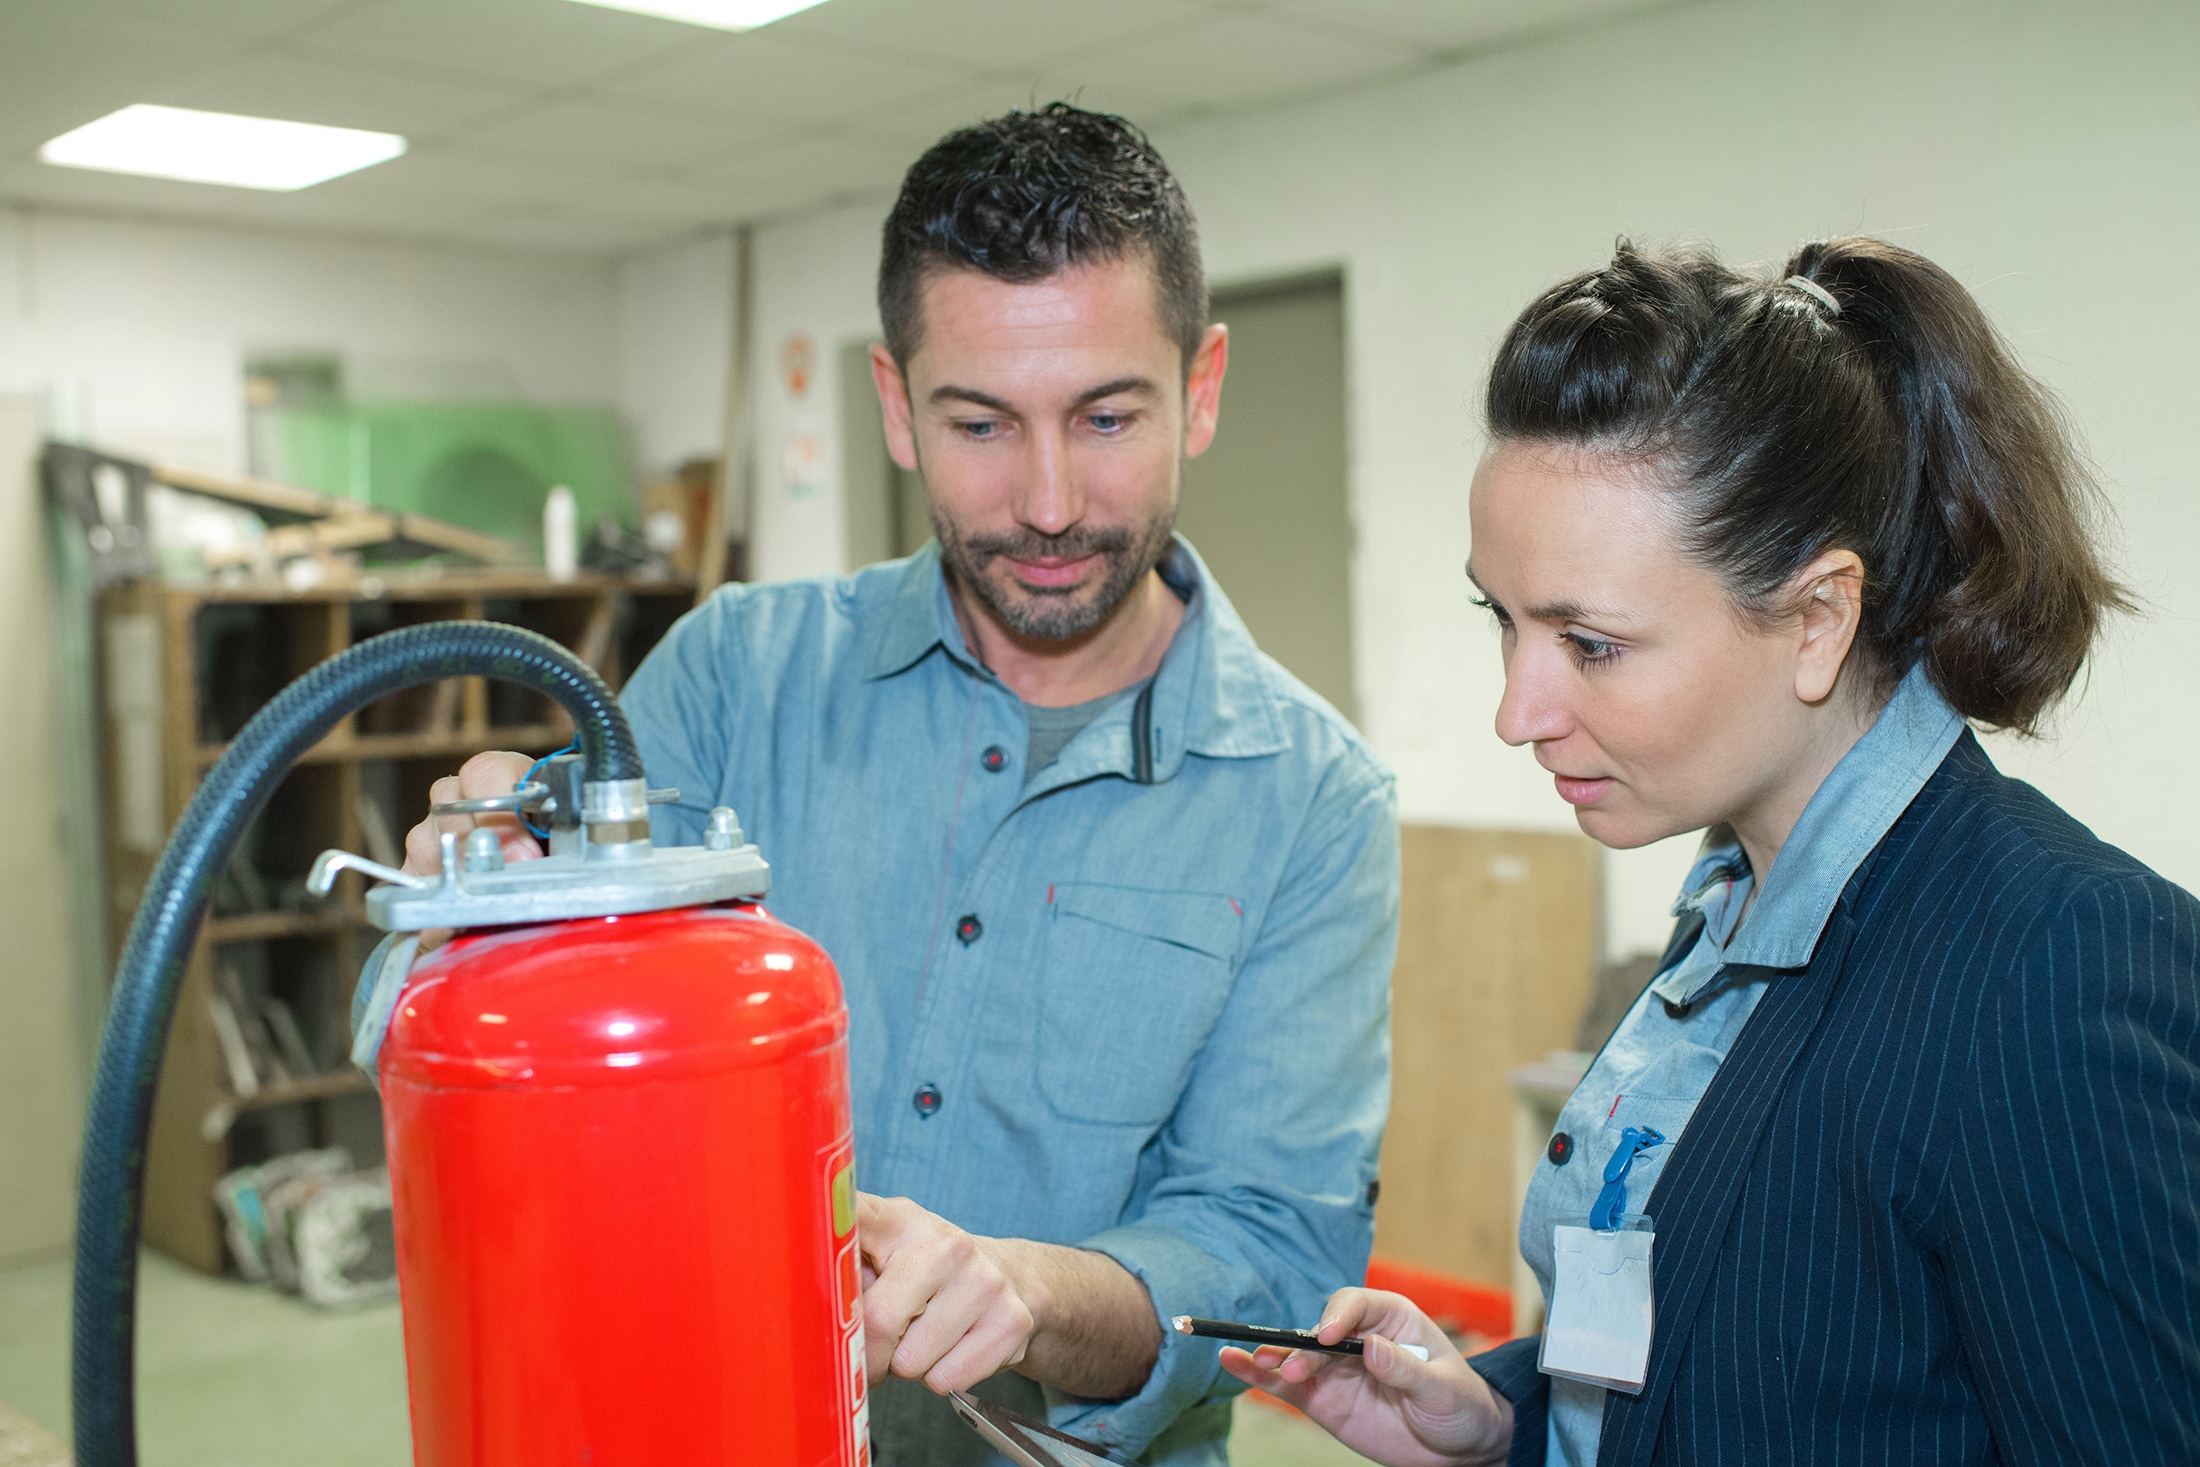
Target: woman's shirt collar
1851	812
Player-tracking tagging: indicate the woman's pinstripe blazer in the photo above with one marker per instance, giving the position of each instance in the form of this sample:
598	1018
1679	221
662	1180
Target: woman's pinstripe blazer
1942	1202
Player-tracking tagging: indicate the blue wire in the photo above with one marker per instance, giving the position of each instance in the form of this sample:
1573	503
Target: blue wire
572	748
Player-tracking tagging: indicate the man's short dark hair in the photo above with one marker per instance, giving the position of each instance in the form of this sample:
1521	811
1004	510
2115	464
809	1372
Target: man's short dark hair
1032	193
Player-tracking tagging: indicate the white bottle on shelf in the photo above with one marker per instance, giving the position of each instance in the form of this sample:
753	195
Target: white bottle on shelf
561	544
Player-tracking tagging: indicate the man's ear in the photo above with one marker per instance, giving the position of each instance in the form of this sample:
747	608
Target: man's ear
1203	389
893	406
1830	591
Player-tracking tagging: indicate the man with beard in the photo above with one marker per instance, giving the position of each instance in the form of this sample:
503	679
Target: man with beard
1114	897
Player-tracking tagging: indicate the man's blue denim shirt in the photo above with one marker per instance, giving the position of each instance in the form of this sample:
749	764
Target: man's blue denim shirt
1147	1018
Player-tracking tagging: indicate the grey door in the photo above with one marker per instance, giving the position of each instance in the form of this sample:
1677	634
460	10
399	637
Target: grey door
1265	505
885	502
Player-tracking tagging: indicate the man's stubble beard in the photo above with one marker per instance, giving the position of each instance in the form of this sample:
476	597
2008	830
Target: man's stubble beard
1044	613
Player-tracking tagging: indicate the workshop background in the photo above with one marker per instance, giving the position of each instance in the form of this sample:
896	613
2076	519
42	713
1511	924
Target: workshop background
632	259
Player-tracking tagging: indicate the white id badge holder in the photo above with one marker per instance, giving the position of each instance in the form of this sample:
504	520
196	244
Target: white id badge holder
1599	1327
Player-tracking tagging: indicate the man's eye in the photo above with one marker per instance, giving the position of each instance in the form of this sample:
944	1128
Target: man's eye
1109	422
981	428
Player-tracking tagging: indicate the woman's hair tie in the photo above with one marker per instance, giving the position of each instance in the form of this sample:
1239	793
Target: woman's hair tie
1816	292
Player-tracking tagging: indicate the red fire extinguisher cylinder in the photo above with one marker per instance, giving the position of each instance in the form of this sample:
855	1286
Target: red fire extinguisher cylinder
620	1153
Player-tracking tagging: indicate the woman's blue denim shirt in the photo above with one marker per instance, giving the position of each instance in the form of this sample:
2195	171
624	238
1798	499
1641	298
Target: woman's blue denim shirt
1664	1053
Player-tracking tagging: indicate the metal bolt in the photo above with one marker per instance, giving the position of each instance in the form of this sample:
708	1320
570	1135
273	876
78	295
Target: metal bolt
484	852
724	831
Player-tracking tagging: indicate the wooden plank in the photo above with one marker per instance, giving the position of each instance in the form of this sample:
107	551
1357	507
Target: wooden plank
433	583
181	1167
260	926
728	511
339	532
265	494
256	493
473	699
1496	947
461	741
222	1113
593	645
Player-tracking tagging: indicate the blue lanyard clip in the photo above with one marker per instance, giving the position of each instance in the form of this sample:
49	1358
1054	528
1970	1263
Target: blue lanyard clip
1611	1203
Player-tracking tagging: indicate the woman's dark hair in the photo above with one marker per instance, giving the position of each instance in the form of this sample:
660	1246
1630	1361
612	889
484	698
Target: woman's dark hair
1032	193
1858	400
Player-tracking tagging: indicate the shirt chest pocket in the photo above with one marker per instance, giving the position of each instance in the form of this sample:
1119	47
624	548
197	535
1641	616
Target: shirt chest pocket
1131	984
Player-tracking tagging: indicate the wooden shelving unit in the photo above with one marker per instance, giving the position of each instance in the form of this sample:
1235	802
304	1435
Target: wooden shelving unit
183	666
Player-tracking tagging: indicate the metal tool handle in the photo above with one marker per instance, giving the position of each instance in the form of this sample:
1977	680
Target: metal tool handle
331	864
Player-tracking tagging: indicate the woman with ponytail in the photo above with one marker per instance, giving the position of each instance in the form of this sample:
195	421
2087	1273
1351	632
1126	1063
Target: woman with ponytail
1897	1158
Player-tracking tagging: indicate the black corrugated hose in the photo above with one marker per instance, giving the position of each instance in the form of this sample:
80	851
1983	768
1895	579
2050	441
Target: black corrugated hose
144	998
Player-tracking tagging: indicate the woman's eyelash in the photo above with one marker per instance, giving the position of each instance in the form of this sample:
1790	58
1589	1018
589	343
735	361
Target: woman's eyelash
1589	651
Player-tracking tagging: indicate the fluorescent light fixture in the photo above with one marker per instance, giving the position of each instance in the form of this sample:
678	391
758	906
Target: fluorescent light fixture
724	15
220	147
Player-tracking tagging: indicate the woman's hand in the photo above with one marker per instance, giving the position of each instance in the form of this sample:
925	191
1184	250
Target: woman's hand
1386	1404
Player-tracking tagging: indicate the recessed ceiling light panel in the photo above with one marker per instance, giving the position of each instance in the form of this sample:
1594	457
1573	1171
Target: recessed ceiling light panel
220	147
724	15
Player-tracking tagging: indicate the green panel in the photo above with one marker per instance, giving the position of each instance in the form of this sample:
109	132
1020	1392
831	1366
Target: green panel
311	447
486	467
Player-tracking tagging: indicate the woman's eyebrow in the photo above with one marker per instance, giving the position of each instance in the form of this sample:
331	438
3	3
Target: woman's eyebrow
1556	610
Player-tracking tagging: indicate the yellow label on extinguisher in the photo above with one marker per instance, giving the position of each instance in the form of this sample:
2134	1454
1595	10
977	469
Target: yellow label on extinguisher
844	1200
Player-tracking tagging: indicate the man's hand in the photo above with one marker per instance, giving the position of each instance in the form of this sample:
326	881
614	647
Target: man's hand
1386	1405
950	1309
479	778
497	772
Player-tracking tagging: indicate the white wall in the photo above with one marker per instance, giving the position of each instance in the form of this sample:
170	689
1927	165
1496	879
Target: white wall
675	325
814	276
155	320
41	1089
2046	154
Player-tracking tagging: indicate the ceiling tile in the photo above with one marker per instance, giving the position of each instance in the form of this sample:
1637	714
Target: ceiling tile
539	44
184	20
915	127
551	125
593	136
305	89
815	166
1437	26
989	35
675	203
56	74
760	78
1231	63
452	178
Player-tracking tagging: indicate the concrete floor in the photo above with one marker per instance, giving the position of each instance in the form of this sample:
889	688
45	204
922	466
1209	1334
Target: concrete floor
232	1375
229	1375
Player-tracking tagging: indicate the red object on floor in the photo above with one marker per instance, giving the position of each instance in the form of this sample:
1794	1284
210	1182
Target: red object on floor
620	1156
1458	1306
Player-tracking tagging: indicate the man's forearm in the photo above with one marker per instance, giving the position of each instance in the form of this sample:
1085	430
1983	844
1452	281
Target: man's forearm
1094	1330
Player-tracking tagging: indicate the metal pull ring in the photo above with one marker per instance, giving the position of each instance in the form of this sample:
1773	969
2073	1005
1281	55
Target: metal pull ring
531	796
